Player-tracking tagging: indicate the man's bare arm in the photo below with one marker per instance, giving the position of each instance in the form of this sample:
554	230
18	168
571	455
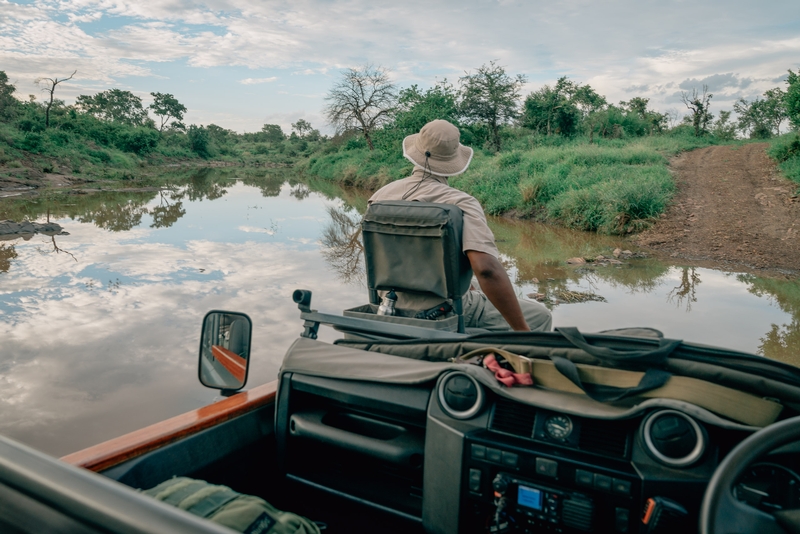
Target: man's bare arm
497	287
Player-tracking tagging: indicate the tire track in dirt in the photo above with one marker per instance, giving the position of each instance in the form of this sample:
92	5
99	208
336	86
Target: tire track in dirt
732	210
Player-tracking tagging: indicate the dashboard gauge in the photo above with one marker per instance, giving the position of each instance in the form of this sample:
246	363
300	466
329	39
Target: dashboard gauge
558	426
769	487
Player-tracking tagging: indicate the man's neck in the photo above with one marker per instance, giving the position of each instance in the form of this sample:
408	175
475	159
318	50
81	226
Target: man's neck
421	173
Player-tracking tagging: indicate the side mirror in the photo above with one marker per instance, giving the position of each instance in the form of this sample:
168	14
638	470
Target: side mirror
225	350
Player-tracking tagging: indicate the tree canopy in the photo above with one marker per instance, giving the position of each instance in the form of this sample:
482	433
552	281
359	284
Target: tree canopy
490	96
167	108
114	105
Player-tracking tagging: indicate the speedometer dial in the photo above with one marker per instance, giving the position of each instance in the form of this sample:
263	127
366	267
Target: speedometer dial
769	487
558	426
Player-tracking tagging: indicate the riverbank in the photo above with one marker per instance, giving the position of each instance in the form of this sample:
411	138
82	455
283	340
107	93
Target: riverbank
611	186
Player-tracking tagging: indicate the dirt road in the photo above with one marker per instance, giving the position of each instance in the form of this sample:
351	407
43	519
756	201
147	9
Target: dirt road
732	210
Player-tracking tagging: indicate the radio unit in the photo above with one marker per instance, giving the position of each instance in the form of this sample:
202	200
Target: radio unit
535	506
506	488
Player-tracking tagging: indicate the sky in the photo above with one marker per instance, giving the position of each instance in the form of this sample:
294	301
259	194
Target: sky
243	63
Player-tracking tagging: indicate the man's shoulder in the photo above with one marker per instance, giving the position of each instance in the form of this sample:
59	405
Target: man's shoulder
390	191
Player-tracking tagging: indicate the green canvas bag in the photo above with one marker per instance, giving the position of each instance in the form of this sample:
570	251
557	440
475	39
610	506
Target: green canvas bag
222	505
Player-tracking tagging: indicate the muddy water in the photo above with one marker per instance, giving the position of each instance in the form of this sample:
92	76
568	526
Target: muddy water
100	327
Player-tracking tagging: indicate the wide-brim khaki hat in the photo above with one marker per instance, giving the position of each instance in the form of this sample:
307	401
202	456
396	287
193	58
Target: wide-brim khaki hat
436	148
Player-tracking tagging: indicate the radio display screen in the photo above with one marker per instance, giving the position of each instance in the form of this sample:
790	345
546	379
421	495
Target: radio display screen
529	497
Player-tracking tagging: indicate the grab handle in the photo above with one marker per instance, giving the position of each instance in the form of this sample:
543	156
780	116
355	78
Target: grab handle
621	358
390	443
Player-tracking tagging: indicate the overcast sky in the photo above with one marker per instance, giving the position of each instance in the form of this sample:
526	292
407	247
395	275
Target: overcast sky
243	63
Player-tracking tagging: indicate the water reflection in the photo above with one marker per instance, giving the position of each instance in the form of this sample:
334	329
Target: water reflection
106	344
341	242
7	253
685	293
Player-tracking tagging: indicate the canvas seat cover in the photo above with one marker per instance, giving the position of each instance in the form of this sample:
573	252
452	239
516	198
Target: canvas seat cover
415	247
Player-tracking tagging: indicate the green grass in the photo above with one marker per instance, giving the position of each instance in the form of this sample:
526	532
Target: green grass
786	151
612	186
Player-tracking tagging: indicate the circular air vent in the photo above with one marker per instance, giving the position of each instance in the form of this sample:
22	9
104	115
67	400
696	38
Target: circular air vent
673	438
460	395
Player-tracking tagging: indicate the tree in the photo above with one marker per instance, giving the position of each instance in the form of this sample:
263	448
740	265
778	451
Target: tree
198	139
490	97
550	110
273	133
8	104
754	118
792	99
415	108
698	104
50	87
724	128
167	108
775	108
114	105
302	127
362	100
656	122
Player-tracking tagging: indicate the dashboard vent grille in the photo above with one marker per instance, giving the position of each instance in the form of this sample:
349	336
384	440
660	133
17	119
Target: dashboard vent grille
609	438
513	418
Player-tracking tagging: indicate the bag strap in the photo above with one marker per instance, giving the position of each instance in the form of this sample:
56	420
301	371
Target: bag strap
610	356
651	379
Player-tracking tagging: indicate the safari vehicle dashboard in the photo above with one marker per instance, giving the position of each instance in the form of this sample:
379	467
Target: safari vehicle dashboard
457	457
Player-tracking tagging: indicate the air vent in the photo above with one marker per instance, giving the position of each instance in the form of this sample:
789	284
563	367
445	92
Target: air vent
578	513
460	395
673	438
609	438
513	418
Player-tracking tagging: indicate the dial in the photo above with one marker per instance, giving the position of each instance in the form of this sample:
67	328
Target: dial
558	426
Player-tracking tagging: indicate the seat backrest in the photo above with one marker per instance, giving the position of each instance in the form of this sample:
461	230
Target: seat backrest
415	247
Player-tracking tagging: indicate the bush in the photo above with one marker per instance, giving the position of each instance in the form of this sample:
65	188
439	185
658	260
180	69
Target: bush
140	140
199	139
785	147
32	142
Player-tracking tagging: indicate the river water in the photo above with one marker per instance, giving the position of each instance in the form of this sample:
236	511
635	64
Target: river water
101	327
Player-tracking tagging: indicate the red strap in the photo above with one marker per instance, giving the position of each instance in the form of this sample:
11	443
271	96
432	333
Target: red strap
504	376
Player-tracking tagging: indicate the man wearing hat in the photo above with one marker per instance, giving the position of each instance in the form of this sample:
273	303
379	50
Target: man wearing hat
437	154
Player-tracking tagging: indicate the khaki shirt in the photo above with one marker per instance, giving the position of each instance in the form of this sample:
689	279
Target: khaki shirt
475	233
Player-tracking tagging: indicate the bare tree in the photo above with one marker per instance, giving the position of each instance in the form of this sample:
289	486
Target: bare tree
698	104
362	100
50	87
342	247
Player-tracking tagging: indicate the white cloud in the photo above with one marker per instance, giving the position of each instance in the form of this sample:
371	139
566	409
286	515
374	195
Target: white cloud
612	46
254	81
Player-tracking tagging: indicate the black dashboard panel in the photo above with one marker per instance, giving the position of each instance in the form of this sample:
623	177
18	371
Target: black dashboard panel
550	470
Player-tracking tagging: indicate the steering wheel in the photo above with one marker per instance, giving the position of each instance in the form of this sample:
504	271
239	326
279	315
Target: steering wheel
722	512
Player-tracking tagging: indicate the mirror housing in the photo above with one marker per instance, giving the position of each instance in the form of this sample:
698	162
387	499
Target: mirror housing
225	350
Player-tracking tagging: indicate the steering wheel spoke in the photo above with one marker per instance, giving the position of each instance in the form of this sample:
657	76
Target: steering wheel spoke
734	517
722	513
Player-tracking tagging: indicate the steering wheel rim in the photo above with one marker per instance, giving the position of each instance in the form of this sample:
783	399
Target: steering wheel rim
721	512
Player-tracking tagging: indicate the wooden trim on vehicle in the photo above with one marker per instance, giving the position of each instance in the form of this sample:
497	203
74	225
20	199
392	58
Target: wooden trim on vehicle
115	451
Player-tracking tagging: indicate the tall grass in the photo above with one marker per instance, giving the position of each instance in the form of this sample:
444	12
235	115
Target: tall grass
612	186
786	151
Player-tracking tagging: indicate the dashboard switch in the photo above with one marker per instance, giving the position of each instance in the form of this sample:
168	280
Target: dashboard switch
493	455
602	482
622	517
510	459
547	467
623	487
478	451
475	480
584	478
